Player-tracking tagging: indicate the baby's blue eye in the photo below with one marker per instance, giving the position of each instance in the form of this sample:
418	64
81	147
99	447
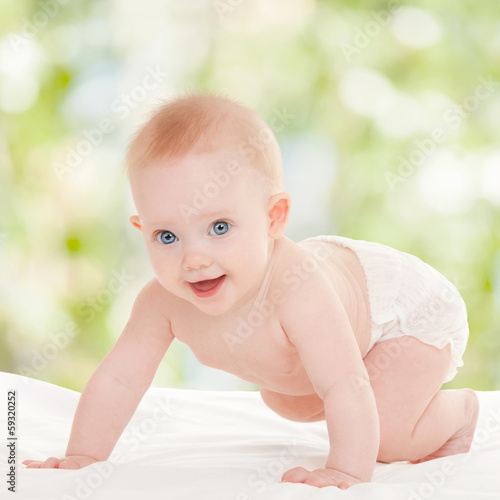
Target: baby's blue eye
166	237
219	228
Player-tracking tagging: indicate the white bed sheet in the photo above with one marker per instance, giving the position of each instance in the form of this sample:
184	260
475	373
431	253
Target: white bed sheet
187	444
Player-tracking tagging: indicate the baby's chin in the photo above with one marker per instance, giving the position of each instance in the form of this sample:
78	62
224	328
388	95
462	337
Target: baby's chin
211	307
212	311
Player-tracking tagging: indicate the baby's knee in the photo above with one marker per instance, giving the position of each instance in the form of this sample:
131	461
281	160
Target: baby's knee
395	440
308	408
392	449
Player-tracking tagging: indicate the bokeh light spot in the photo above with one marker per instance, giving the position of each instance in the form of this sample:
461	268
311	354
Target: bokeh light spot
73	244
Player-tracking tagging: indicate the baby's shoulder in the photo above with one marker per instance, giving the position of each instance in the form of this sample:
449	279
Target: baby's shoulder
299	269
289	258
153	297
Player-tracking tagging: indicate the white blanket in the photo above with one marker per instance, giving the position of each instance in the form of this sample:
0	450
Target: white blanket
186	444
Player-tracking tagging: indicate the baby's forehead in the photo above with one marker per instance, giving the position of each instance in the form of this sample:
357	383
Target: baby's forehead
225	173
220	166
222	175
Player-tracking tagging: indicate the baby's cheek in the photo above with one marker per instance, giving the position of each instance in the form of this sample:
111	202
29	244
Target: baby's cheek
256	265
250	254
161	268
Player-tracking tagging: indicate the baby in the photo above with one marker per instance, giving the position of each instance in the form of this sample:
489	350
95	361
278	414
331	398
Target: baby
353	332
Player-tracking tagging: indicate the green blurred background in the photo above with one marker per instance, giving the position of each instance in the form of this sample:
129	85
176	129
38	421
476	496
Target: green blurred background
387	113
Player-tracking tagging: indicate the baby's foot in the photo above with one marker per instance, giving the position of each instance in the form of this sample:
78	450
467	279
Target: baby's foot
461	442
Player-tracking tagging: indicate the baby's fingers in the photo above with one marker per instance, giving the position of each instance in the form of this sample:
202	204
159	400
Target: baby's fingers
72	464
320	478
32	464
296	475
50	463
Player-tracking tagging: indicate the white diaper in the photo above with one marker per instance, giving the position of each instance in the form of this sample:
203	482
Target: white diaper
409	297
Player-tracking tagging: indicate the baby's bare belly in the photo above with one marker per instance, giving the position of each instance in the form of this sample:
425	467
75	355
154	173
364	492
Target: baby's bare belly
266	359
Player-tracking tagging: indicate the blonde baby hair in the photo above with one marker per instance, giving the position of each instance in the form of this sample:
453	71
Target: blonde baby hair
203	123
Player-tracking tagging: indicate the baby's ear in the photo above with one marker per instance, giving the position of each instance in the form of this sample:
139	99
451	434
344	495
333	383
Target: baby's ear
278	210
135	221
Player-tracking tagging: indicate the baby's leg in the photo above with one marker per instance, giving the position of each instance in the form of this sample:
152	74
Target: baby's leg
417	420
308	408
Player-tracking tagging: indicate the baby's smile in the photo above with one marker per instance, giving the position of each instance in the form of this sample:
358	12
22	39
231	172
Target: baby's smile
207	288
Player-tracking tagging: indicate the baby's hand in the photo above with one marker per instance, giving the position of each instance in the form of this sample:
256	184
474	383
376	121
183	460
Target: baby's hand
73	462
320	478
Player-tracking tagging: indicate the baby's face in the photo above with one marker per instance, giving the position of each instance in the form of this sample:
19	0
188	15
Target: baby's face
205	224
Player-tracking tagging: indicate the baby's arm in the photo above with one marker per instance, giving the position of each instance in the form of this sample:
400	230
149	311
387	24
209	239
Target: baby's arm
113	392
315	321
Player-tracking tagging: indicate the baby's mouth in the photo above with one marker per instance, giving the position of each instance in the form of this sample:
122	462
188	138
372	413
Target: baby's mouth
207	287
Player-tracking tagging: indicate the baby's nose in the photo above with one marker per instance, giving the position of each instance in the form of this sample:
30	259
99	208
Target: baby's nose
196	259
